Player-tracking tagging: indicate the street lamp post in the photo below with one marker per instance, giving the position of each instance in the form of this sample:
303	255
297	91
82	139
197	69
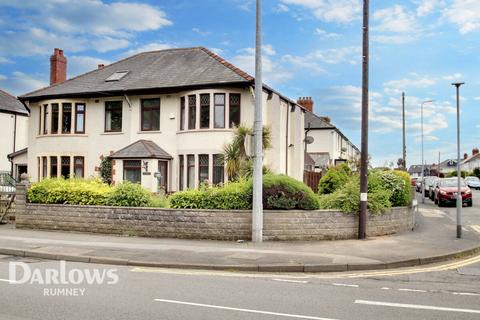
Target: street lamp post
423	162
459	172
257	206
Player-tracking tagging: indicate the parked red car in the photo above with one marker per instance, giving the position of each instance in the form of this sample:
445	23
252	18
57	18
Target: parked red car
446	192
414	182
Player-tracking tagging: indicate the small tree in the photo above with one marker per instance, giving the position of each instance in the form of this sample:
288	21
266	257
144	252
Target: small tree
106	170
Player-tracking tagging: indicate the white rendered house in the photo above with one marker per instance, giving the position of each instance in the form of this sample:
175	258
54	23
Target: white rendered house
162	116
13	133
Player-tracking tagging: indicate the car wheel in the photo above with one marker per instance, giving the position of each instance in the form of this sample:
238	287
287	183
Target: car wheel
440	203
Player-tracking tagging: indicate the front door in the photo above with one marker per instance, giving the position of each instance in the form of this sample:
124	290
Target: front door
163	179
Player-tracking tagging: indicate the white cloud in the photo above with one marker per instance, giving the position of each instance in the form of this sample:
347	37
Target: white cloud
19	83
394	19
81	64
451	77
273	72
304	63
281	8
5	60
2	77
200	32
394	39
106	44
340	11
395	87
426	7
465	14
476	98
325	34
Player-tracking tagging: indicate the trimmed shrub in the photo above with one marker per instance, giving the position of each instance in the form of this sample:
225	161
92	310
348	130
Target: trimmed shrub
283	192
279	192
404	197
335	178
158	202
231	196
129	194
70	191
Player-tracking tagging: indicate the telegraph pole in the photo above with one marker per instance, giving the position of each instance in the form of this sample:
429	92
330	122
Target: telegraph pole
257	206
362	219
404	151
459	172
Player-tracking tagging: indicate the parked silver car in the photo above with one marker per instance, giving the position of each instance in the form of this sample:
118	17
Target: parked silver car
473	182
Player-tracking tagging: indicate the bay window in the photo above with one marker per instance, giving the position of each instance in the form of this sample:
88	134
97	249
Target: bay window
65	167
79	167
218	169
191	171
66	117
132	171
219	110
45	119
54	124
192	111
202	168
181	167
204	111
182	113
53	167
234	110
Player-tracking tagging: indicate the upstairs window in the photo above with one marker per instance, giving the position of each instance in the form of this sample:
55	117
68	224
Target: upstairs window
66	117
150	114
182	113
80	118
219	109
204	111
54	124
192	112
234	110
113	116
45	119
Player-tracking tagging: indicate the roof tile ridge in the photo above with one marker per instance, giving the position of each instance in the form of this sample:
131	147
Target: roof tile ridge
227	64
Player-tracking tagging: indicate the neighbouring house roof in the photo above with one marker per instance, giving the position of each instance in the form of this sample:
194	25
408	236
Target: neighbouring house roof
17	153
314	122
417	168
11	104
472	158
141	149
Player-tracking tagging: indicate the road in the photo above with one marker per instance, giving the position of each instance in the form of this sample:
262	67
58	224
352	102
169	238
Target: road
442	292
470	215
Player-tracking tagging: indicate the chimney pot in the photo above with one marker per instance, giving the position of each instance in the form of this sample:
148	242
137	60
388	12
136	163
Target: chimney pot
58	67
465	156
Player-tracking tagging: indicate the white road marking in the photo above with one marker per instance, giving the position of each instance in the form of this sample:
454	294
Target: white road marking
415	306
286	280
6	280
412	290
476	227
385	288
345	285
466	293
243	310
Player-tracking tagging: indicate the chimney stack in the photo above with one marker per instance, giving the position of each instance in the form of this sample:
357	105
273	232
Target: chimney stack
474	151
101	66
58	67
306	102
465	156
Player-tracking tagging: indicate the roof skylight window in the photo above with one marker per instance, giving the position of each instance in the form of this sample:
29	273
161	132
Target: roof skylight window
117	76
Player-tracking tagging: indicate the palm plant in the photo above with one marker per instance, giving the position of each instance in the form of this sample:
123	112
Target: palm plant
234	154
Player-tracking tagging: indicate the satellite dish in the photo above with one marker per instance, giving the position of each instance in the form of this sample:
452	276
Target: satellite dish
309	139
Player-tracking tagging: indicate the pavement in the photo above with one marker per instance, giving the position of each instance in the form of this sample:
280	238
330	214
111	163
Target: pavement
432	240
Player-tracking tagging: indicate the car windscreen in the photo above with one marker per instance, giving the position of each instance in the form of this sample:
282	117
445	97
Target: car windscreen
451	183
476	179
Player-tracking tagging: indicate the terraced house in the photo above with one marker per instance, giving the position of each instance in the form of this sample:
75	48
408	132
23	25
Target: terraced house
162	116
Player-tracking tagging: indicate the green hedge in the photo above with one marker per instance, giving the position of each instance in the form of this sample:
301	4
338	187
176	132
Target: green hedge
92	192
279	192
335	178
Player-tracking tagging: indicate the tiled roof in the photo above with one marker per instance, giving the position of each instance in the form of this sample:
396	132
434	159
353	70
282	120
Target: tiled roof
316	122
9	103
171	68
17	153
141	149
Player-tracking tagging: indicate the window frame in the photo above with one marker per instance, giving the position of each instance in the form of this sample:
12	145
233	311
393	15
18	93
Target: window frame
45	119
189	166
64	165
54	122
215	164
64	117
205	108
109	105
75	166
182	113
215	105
53	165
192	121
236	105
77	113
44	167
150	111
181	172
132	167
204	167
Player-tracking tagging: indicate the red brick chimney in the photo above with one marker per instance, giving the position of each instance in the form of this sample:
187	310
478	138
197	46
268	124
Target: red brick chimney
306	102
474	151
58	67
101	66
465	156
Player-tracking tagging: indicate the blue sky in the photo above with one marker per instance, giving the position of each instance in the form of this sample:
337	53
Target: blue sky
312	48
